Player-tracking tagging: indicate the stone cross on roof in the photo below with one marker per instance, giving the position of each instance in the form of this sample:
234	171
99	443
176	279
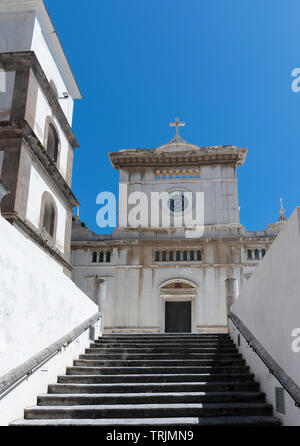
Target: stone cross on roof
177	124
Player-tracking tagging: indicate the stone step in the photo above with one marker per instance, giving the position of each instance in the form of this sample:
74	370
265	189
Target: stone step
148	410
156	378
159	362
166	337
184	421
148	398
125	387
164	349
96	348
159	356
164	344
80	370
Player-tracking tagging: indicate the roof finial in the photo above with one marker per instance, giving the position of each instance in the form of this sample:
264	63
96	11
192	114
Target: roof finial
177	124
77	212
282	211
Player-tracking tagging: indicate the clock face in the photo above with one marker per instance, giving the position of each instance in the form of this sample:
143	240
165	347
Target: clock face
178	203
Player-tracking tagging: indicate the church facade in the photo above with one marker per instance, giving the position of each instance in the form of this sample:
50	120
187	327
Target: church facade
158	279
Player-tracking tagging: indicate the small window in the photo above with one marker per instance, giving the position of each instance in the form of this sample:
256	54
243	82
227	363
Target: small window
256	254
94	257
263	252
177	256
49	218
52	143
108	257
192	256
157	256
280	400
164	256
199	256
249	254
184	256
101	257
171	256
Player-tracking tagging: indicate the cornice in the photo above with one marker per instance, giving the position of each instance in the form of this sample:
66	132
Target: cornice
21	129
38	237
203	155
19	60
162	243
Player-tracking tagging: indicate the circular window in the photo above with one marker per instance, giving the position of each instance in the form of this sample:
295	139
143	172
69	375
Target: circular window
178	203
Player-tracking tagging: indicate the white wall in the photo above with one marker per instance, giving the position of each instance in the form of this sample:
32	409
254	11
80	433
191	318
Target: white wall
269	306
25	394
43	110
21	31
133	299
38	302
217	182
50	67
37	186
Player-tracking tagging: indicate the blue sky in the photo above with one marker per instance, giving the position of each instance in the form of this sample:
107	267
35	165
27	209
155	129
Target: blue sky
222	66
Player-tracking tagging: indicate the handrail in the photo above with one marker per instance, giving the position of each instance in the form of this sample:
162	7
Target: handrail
274	368
17	375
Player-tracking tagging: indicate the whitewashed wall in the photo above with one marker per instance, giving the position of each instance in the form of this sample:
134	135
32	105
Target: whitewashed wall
21	31
37	186
133	299
269	306
43	111
217	182
50	67
38	302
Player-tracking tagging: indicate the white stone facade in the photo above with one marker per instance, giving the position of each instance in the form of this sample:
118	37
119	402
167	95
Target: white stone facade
142	262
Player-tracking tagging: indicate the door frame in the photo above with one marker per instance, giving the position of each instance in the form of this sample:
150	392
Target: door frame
180	295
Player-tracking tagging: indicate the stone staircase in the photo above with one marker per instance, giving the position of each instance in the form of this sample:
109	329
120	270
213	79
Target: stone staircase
171	379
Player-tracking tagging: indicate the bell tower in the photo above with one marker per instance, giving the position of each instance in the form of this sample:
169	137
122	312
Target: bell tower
37	93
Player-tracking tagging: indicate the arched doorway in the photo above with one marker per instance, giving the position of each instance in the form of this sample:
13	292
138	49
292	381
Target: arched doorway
178	306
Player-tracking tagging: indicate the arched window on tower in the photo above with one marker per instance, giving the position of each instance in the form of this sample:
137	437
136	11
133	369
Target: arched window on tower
157	256
192	256
177	256
171	256
94	257
199	256
108	257
249	254
52	143
256	254
164	256
49	218
101	257
184	256
263	252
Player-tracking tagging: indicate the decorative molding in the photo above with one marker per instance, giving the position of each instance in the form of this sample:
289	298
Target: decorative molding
202	155
21	129
17	61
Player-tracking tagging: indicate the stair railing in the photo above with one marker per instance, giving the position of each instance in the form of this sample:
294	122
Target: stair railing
16	376
274	368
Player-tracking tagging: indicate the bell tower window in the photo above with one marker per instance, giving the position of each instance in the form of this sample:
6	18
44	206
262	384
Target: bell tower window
52	143
49	218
